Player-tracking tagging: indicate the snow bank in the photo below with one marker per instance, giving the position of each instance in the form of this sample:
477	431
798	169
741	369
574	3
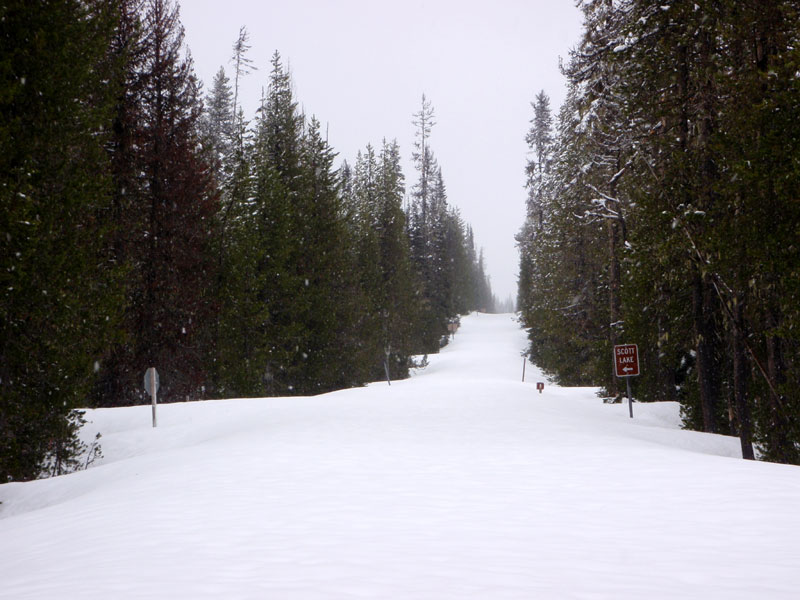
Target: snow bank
461	482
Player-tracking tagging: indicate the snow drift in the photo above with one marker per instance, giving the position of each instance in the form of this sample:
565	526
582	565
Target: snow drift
461	482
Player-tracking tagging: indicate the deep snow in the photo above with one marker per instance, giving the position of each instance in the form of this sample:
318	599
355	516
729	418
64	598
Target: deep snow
462	482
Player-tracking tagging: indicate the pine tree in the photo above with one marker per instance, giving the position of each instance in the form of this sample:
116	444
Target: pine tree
609	145
168	205
243	65
420	219
395	304
540	141
562	262
262	337
329	297
755	276
439	273
127	55
218	130
292	316
366	199
674	134
424	120
59	290
278	169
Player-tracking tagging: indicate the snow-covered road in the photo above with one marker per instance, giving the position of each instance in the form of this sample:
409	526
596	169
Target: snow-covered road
460	483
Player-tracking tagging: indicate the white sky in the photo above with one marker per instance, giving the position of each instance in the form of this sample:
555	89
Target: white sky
361	67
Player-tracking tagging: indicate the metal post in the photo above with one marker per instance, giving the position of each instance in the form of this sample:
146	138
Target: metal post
388	352
386	368
630	400
524	360
153	387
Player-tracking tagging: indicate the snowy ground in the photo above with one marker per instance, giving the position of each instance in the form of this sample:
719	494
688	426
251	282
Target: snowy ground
460	483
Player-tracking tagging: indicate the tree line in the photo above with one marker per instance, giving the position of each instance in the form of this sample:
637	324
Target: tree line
663	210
147	224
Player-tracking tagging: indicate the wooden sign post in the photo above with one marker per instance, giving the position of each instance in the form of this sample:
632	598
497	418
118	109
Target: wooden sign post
626	364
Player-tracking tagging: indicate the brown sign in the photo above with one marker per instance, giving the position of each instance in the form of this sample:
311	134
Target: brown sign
626	360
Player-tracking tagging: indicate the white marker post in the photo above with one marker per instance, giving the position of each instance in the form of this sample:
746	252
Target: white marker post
386	364
151	387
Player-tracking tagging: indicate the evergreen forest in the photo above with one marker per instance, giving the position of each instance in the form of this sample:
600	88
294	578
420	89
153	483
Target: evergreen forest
664	210
145	223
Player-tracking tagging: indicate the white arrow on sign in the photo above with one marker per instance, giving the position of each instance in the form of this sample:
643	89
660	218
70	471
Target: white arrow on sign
626	369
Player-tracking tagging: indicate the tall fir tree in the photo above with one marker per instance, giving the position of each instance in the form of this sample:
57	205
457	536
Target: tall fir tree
218	129
242	66
59	288
386	274
420	217
540	146
397	276
169	209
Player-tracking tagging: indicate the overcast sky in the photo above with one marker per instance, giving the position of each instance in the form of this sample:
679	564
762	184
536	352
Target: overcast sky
361	66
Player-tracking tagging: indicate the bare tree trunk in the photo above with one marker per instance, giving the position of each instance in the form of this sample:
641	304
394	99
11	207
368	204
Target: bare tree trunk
743	420
614	285
780	446
616	239
704	331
